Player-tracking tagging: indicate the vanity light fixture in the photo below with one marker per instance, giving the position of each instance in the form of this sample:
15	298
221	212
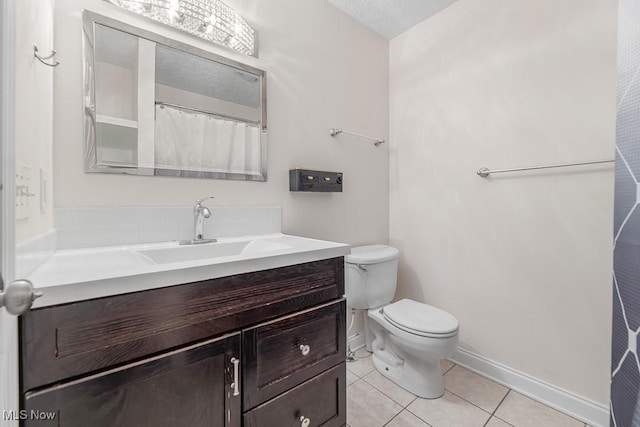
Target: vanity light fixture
211	20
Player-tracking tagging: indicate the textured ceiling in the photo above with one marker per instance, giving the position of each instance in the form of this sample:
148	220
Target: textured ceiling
209	78
180	70
391	17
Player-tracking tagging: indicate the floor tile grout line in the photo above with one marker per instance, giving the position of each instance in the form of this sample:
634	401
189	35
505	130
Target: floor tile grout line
386	395
364	375
453	365
396	416
543	404
501	401
357	376
413	400
417	416
493	414
355	382
466	400
470	402
406	407
393	418
510	390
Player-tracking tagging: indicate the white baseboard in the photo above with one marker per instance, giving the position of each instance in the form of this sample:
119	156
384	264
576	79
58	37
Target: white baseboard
594	414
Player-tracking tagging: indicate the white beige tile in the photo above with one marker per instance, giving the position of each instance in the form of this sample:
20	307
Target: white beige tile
521	411
407	419
449	411
476	389
368	407
351	377
361	366
497	422
445	365
389	388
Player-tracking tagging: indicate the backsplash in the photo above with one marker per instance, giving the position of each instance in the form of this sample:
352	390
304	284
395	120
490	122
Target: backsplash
94	227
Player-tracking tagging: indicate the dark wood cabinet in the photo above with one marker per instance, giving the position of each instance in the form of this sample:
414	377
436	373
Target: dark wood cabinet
198	354
192	386
283	353
321	401
75	339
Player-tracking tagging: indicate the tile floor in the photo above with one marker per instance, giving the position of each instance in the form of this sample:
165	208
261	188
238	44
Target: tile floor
470	400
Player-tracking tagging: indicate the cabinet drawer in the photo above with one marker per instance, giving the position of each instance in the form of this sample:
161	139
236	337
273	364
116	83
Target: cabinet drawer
286	352
322	400
70	340
188	387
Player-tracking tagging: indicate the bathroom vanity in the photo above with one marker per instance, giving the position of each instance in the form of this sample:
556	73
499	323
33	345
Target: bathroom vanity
260	348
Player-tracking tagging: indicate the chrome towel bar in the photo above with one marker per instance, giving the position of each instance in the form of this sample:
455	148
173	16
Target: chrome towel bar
334	132
484	172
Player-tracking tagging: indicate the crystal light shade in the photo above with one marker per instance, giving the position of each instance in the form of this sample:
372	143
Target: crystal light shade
211	20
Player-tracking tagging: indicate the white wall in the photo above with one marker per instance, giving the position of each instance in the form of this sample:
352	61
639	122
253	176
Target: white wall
33	111
324	70
523	260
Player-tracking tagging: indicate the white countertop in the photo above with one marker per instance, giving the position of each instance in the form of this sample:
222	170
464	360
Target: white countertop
81	274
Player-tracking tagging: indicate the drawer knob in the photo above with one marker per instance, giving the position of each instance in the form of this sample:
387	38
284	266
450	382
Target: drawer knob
304	422
305	349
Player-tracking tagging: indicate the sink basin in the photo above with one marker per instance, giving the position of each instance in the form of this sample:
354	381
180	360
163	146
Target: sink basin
193	253
209	251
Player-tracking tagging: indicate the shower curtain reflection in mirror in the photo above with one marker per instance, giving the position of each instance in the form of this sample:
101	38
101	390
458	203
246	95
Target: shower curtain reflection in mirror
192	141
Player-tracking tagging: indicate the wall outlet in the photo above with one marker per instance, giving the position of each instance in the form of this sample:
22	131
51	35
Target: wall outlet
23	191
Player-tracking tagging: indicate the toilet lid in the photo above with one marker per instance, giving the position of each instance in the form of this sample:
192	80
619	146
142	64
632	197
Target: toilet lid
371	254
419	318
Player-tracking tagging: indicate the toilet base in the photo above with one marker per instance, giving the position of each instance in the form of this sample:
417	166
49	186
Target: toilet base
424	380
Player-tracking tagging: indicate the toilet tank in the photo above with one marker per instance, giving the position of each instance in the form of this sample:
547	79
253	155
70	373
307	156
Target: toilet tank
371	274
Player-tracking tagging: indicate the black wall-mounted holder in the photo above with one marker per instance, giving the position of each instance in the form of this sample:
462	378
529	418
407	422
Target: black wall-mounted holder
315	181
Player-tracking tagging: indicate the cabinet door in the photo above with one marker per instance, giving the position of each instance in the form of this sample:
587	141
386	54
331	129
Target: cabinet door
192	386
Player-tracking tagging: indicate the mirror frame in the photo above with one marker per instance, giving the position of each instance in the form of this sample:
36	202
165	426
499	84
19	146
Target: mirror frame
89	21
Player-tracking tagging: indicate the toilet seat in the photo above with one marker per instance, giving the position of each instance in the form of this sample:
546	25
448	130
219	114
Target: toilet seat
421	319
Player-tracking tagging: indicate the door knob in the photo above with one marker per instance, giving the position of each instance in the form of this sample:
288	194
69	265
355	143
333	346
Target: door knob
18	297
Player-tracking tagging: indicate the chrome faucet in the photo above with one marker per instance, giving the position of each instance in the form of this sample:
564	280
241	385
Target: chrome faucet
200	213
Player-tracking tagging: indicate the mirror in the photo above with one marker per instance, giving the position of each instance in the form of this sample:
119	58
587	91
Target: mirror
155	106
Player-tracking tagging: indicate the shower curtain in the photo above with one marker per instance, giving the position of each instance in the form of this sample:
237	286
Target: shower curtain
625	362
192	141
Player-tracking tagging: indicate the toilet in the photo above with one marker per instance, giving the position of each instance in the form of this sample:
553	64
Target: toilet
408	338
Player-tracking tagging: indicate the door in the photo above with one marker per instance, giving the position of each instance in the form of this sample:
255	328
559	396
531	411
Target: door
8	324
193	386
26	124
